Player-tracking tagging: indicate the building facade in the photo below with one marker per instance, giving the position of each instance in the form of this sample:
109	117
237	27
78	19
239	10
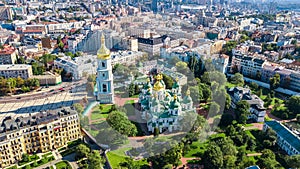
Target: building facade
8	55
163	108
257	109
105	88
287	140
14	71
42	132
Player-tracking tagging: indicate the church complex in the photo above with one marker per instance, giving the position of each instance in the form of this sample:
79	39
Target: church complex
163	108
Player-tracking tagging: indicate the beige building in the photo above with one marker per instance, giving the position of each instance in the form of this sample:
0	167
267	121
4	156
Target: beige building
42	132
20	70
49	78
8	55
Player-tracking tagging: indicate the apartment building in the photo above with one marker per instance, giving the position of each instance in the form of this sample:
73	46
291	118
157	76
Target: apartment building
20	70
37	133
8	55
152	45
257	109
248	66
78	66
287	139
126	57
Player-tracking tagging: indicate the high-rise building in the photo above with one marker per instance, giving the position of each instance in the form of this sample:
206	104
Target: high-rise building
105	88
154	6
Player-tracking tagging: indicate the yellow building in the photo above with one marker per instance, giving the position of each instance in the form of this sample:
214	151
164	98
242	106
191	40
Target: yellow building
38	133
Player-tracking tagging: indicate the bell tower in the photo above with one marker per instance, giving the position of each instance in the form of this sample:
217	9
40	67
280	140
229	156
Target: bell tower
105	88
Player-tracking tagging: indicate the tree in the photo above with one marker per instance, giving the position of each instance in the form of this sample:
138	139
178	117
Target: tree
228	101
131	90
82	151
270	138
11	83
213	157
92	78
293	161
294	104
227	48
192	63
204	91
136	89
19	82
226	119
27	167
156	132
275	81
94	159
168	81
298	118
78	107
214	109
25	158
119	121
242	111
173	61
237	79
182	67
268	160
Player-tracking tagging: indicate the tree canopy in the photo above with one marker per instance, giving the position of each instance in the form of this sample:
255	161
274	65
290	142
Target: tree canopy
119	121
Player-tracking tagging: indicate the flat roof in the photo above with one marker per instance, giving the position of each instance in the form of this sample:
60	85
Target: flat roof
15	67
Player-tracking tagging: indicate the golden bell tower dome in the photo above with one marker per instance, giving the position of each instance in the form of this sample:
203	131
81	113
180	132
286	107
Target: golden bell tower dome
103	53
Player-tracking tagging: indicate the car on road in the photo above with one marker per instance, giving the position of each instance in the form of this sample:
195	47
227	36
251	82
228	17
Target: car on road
18	98
52	90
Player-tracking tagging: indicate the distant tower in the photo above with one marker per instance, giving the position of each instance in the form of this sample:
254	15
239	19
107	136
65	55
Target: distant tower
105	88
154	6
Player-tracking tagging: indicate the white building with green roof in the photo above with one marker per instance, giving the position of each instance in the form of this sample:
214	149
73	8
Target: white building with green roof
163	108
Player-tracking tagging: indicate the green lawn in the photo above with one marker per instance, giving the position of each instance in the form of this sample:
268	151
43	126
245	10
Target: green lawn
129	102
63	165
99	114
135	96
118	156
197	148
230	85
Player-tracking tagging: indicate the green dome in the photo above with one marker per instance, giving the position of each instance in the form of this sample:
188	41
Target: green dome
187	99
149	92
147	85
175	103
175	85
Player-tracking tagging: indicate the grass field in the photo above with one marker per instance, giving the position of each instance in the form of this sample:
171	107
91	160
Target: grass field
118	156
197	148
99	114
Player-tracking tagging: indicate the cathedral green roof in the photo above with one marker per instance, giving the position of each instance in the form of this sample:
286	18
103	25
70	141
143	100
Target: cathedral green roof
175	85
187	99
174	104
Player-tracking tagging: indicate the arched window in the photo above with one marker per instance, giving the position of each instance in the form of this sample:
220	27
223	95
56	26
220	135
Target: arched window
103	64
104	88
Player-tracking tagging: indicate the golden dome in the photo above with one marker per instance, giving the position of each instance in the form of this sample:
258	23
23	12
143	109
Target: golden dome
158	86
103	53
188	92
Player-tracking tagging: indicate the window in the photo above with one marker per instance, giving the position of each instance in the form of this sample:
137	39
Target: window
104	88
103	64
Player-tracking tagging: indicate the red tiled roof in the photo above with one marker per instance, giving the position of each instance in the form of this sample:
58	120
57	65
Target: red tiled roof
7	50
